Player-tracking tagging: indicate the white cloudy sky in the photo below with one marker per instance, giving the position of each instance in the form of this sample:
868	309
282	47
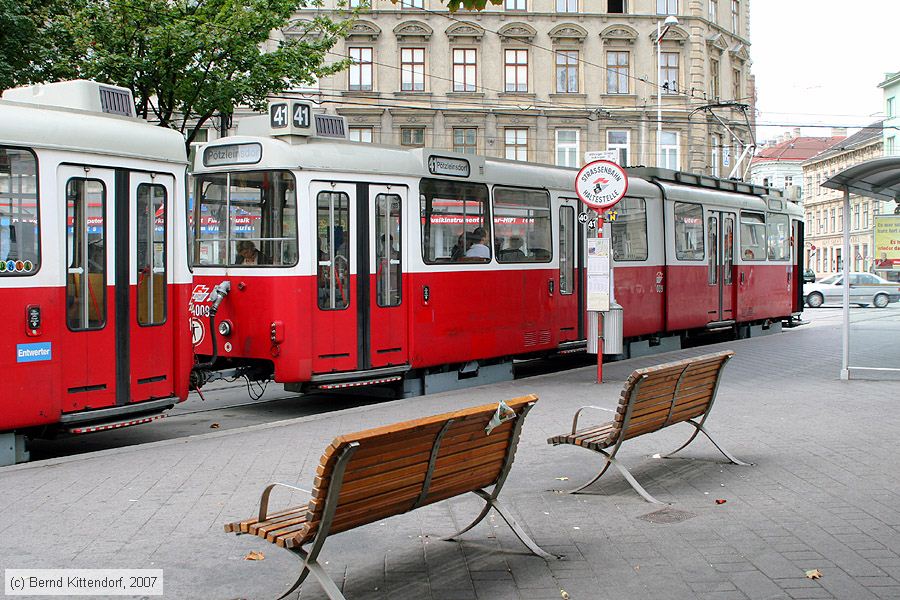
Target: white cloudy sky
820	61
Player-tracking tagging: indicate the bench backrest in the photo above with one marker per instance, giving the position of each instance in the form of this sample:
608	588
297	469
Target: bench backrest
669	393
397	468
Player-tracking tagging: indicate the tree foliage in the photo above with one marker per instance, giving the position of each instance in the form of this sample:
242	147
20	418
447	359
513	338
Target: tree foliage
35	44
189	60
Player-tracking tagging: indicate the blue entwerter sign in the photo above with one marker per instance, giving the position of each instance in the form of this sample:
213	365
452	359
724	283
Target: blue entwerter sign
33	352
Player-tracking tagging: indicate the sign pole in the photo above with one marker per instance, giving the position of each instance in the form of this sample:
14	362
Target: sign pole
599	315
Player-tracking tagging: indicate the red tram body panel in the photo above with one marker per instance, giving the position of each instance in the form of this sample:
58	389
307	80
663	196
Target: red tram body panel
95	283
344	261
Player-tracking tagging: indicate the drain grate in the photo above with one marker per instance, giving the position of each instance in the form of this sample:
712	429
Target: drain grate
667	516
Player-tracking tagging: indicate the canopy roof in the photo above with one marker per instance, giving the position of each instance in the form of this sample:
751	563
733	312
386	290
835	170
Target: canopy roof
877	178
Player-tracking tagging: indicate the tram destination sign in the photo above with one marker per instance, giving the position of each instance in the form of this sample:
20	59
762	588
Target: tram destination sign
232	154
443	165
600	184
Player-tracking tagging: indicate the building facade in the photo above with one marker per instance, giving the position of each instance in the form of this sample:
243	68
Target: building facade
824	207
547	80
780	164
891	88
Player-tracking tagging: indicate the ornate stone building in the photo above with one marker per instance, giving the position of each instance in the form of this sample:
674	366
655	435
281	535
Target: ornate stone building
548	80
824	207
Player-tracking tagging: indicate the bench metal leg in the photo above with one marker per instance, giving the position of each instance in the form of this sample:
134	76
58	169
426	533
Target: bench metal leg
610	460
699	428
311	566
492	502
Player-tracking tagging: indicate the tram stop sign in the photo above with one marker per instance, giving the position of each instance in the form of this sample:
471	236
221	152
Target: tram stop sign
600	184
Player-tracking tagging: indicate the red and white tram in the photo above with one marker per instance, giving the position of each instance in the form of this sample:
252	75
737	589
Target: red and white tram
329	263
93	279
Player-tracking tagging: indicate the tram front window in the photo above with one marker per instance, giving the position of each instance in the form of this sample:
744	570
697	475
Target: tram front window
245	219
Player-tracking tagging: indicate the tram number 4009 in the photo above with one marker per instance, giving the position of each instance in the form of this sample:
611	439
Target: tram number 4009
199	310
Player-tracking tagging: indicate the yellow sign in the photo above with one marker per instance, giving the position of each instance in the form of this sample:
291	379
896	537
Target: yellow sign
887	242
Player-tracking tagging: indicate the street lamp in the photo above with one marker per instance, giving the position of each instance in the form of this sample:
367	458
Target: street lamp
669	22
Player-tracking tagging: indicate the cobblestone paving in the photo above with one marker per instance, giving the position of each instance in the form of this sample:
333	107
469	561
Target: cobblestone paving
824	493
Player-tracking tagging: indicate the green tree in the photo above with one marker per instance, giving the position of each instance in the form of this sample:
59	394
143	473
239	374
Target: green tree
34	41
187	61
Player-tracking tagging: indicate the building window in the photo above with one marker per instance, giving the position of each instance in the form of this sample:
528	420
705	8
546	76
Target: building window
667	7
567	72
464	140
669	158
618	140
567	148
833	219
516	143
412	4
714	78
714	11
516	5
788	181
736	84
889	109
567	6
412	136
856	211
715	145
617	72
617	6
361	69
668	72
736	17
890	146
412	69
516	68
865	215
359	3
361	134
464	70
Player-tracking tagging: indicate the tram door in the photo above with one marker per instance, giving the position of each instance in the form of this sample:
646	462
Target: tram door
150	314
88	341
334	341
720	228
386	321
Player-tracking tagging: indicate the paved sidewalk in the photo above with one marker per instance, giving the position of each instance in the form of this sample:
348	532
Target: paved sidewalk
824	494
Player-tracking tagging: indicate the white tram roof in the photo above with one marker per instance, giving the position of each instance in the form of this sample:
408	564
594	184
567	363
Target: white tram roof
30	123
316	154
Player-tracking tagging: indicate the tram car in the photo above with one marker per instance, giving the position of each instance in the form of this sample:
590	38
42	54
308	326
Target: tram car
324	263
93	278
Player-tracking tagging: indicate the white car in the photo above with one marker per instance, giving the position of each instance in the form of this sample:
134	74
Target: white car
865	289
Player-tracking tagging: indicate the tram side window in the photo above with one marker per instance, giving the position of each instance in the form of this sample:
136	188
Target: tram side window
779	236
629	230
333	249
246	219
455	218
85	254
753	236
151	254
522	227
566	250
388	242
688	231
19	227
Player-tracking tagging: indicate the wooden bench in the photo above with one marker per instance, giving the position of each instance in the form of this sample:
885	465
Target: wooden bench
371	475
653	398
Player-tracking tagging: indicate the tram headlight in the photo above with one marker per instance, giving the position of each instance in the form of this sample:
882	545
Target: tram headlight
225	328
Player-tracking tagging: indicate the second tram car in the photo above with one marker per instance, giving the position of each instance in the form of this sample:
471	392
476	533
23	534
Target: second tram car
328	263
93	280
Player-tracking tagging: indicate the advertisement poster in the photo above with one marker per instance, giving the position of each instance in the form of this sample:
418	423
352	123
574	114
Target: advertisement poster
887	242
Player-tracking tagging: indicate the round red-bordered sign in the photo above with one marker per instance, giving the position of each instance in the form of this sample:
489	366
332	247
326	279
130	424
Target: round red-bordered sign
600	184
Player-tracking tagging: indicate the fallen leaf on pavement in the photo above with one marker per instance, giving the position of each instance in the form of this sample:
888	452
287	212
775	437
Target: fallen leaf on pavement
564	594
721	501
214	426
562	478
814	574
254	555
